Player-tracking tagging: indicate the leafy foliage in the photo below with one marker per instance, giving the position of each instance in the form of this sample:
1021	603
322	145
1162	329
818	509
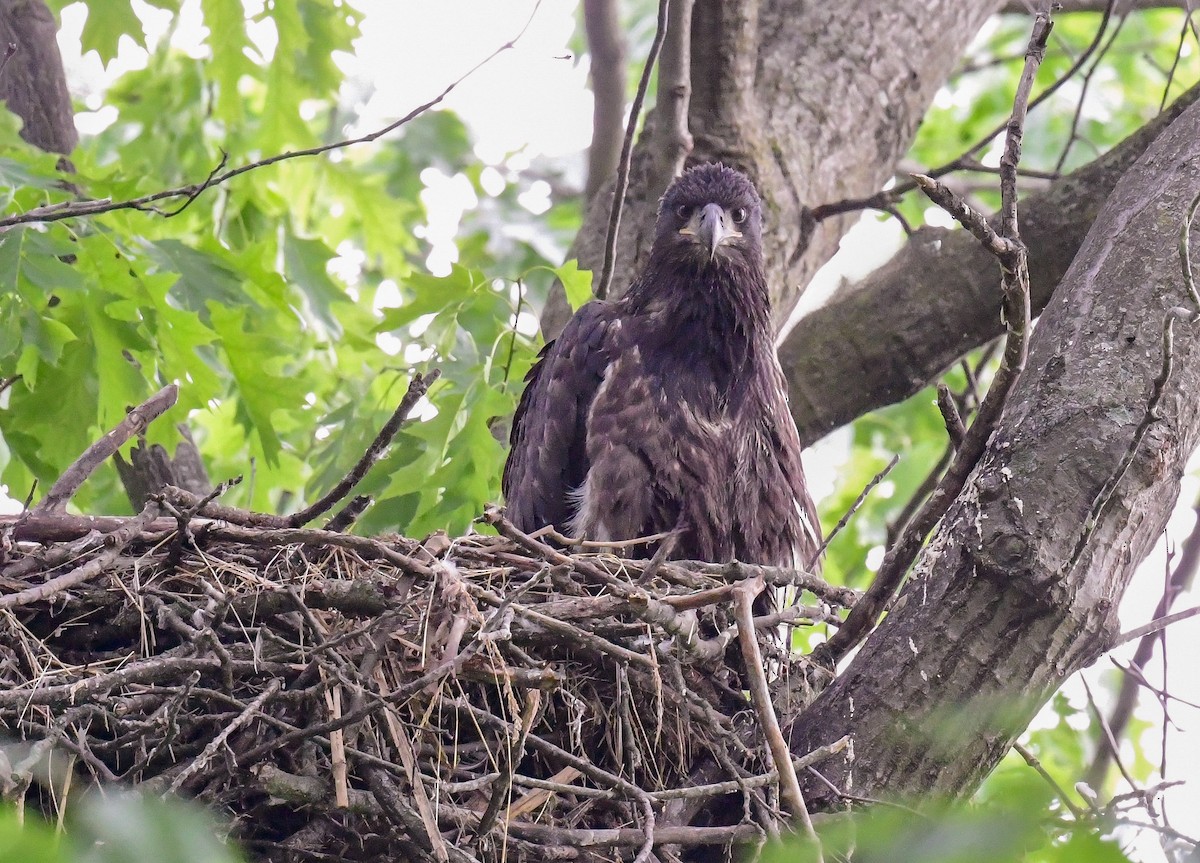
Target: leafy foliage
117	827
1018	830
271	299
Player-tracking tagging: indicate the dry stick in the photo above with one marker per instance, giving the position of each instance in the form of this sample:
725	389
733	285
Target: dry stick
337	746
365	545
217	742
417	388
115	542
376	704
56	527
647	607
622	183
584	766
731	786
760	696
776	576
854	507
949	410
144	671
586	838
135	422
550	533
1010	252
512	753
190	503
1032	761
58	212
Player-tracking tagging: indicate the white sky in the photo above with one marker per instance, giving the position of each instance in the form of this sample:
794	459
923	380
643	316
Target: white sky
534	99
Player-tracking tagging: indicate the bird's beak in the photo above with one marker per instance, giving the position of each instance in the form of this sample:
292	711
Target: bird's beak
712	229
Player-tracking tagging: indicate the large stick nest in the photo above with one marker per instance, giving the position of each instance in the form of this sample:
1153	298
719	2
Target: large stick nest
337	696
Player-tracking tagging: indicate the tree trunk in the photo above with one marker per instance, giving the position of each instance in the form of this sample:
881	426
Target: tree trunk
32	81
1012	595
816	101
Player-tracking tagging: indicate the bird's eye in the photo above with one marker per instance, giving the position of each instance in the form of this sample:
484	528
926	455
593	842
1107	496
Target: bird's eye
684	212
739	215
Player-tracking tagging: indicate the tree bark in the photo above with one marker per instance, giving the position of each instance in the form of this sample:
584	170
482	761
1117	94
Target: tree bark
606	50
817	101
885	338
32	81
1012	596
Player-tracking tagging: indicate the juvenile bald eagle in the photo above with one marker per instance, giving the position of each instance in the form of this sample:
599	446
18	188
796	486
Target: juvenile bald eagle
666	409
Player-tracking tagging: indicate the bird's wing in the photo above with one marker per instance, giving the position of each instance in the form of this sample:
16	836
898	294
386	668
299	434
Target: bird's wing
548	459
801	521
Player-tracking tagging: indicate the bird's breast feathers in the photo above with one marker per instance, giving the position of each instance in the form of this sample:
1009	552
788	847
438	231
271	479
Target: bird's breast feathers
662	459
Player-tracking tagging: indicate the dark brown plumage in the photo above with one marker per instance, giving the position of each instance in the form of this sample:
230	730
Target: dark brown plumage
667	409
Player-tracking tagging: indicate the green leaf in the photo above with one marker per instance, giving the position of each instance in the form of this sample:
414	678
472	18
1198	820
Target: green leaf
576	282
305	263
105	25
203	278
256	360
46	336
125	827
226	22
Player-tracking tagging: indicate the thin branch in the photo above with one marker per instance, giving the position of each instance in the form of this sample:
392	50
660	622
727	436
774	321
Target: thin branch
1032	761
618	201
1179	580
217	742
1109	740
854	507
135	423
955	428
115	542
417	387
882	200
75	209
1156	625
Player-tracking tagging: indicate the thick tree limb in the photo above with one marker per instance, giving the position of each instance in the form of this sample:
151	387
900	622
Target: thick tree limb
899	328
1001	607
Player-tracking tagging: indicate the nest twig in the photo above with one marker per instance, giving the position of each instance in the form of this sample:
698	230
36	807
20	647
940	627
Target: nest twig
469	699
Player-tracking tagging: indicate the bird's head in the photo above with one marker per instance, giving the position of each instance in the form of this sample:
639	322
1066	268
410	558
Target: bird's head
710	214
